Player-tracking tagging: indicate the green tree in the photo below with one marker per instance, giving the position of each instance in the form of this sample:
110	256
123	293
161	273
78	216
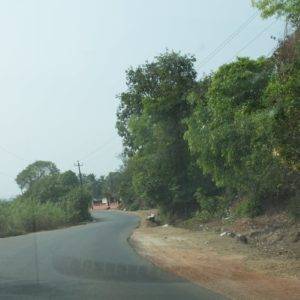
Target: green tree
282	105
35	172
69	179
151	123
76	204
46	189
282	101
287	8
94	185
111	186
53	187
126	192
230	132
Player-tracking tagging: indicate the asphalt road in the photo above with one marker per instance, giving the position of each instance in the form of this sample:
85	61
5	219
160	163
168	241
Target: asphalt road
92	261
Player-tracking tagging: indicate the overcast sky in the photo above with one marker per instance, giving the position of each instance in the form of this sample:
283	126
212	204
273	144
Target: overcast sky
62	62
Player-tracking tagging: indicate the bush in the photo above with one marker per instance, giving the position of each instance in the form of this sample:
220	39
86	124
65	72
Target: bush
209	204
24	215
248	208
204	216
76	205
49	216
211	207
134	206
4	218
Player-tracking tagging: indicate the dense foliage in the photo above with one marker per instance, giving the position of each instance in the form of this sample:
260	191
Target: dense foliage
287	8
34	172
151	121
51	199
227	141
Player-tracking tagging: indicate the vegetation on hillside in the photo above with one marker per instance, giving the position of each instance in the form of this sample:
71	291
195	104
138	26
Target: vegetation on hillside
227	143
224	144
290	9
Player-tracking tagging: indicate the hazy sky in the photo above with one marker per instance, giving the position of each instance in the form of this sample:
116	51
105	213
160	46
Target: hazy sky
62	62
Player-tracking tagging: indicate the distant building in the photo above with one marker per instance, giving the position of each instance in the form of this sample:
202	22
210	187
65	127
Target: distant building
96	201
104	201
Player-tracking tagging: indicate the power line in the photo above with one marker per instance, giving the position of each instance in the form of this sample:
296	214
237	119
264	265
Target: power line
78	164
98	148
11	153
255	38
228	40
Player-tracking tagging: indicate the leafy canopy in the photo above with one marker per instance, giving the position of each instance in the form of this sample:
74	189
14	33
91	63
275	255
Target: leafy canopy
228	131
34	172
151	122
287	8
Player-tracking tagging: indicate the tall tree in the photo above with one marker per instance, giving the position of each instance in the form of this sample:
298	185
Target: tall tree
286	8
150	120
52	187
230	132
35	172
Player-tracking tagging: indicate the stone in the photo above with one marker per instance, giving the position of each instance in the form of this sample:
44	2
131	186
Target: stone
228	233
151	217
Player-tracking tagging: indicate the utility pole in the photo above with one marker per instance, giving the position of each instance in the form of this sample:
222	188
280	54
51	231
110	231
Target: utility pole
79	171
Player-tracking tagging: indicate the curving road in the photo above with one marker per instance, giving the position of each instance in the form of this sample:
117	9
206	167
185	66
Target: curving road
92	261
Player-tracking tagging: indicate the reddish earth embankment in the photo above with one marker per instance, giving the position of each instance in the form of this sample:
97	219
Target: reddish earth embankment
222	264
105	206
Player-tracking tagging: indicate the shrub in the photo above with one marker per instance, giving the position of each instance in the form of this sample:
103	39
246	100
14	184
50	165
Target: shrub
4	218
29	215
76	205
209	204
211	207
49	216
134	206
24	215
248	208
204	216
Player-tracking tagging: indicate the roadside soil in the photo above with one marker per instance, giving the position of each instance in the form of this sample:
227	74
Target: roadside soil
112	206
219	263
